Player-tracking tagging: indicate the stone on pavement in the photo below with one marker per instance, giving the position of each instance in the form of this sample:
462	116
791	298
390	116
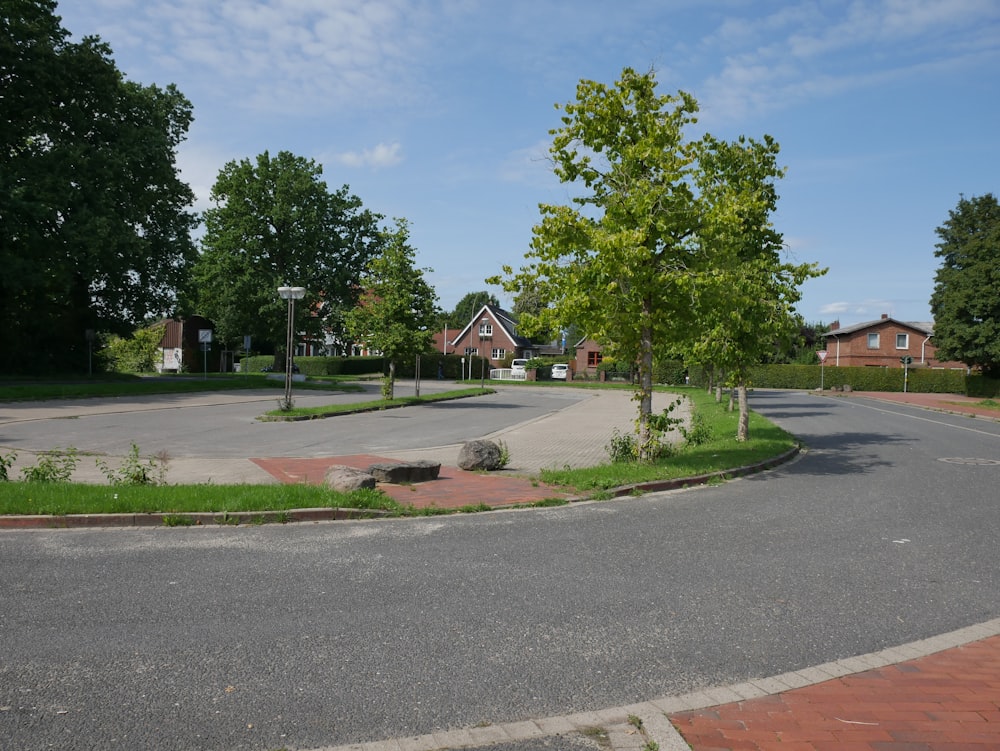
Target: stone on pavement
479	454
344	479
421	470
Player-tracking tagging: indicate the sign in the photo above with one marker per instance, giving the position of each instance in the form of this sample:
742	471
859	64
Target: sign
205	336
246	343
822	356
906	360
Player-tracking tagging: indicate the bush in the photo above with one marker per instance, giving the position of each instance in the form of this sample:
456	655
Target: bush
981	386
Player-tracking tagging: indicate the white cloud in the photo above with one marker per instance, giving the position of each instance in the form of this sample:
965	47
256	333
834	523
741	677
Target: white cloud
812	52
381	155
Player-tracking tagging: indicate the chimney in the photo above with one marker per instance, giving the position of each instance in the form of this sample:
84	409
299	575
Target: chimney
835	325
885	316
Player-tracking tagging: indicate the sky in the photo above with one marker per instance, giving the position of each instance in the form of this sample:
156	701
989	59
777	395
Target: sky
439	111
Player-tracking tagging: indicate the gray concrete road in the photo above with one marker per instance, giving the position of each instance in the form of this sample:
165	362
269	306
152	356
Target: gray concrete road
307	636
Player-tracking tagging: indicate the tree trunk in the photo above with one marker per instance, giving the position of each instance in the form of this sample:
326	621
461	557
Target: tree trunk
743	426
645	381
732	400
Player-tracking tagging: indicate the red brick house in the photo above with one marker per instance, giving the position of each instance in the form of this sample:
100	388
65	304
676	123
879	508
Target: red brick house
882	344
588	357
492	333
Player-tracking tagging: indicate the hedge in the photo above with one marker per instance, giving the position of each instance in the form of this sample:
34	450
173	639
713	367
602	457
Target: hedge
920	380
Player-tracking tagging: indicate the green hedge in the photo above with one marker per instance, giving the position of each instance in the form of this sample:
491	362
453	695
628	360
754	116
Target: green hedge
319	366
983	387
921	380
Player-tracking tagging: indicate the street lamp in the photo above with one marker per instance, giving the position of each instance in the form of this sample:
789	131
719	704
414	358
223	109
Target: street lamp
482	365
291	294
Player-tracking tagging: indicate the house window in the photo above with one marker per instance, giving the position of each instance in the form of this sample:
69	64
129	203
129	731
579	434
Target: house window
498	354
472	350
594	359
873	341
902	341
486	329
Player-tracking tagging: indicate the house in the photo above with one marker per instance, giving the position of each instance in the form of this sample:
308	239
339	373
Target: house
883	344
492	333
588	357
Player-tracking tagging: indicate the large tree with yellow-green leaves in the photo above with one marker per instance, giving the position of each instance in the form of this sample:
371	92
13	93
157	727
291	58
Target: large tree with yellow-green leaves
637	260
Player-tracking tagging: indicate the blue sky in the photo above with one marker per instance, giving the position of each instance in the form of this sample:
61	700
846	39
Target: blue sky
440	110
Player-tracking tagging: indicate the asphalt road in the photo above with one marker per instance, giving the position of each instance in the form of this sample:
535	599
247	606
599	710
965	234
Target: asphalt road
225	424
302	636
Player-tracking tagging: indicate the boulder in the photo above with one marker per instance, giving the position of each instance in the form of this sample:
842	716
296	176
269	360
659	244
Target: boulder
479	454
399	473
344	479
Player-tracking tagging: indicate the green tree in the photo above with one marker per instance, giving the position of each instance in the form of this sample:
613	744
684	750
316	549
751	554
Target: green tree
137	353
468	306
529	302
275	223
621	265
746	295
95	230
396	313
966	298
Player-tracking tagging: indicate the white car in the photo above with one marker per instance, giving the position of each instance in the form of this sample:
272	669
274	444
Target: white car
517	365
560	371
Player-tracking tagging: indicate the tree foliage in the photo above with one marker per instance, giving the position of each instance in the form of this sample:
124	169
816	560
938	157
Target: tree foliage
95	230
966	298
275	223
667	240
396	313
468	306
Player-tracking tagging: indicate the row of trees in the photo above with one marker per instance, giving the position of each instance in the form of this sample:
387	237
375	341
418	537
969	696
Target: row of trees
669	249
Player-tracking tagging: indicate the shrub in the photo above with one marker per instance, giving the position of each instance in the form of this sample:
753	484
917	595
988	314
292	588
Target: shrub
52	466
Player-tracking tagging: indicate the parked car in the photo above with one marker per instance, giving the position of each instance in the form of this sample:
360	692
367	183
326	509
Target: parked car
517	365
560	371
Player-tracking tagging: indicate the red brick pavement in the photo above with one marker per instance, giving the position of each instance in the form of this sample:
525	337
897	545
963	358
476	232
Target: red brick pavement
948	701
959	403
454	487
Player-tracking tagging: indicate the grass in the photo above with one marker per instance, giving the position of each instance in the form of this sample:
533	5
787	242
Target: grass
718	453
57	498
332	410
721	452
125	385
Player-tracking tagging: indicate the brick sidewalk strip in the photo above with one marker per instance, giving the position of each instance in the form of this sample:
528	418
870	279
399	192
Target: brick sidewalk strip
942	702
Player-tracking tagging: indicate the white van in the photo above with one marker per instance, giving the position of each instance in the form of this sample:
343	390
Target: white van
517	365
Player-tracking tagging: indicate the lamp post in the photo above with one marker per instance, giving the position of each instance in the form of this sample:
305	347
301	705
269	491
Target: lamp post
291	294
482	365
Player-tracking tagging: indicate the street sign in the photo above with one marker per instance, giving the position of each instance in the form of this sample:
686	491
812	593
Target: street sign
822	356
205	336
906	360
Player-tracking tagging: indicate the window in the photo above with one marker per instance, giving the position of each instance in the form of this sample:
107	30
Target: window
485	329
498	354
873	341
594	359
902	341
472	350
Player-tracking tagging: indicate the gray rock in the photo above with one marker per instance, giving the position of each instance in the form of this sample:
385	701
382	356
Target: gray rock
344	479
398	473
479	454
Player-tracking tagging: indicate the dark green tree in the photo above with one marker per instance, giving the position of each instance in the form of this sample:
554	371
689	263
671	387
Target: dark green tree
94	221
966	298
468	306
275	223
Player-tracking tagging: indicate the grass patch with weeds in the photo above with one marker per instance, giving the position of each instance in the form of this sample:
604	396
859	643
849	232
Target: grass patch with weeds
718	451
